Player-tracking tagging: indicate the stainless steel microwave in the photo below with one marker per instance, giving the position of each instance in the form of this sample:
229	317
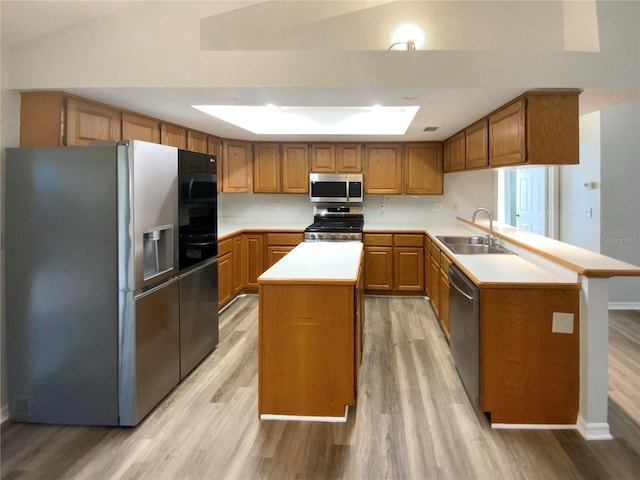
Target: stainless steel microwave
336	187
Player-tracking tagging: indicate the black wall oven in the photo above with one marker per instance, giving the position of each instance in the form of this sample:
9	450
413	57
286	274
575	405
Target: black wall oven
198	207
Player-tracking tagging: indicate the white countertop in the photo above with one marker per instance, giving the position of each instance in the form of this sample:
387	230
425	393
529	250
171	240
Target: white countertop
326	262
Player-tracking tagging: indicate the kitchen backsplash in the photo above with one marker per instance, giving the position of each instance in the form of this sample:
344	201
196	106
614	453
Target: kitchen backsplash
464	192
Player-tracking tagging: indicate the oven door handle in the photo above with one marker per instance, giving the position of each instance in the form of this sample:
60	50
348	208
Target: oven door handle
198	244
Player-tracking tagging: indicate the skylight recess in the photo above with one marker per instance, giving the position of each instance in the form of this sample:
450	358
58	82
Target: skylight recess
298	120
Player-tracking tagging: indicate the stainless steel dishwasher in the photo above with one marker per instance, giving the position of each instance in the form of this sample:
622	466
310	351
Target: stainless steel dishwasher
464	305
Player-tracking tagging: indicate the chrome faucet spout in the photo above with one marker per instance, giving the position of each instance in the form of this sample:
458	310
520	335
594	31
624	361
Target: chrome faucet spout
490	238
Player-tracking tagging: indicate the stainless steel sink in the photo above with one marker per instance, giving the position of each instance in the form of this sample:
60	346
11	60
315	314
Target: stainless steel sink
472	245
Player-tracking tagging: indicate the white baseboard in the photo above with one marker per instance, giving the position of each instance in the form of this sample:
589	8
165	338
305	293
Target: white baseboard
593	431
624	305
531	426
306	418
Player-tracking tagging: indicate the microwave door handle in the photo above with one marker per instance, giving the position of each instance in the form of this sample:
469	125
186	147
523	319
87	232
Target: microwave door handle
190	188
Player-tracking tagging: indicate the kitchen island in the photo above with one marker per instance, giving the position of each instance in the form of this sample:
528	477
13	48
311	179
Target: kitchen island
310	332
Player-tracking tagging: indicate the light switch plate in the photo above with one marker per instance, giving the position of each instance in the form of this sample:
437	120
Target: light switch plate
562	322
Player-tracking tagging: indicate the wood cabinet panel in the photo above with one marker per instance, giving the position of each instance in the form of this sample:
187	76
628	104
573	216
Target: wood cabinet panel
443	304
408	240
423	169
41	119
252	259
378	268
237	167
291	239
457	152
87	121
383	169
408	269
477	144
507	135
173	135
528	373
323	158
237	264
225	280
214	146
295	168
135	127
349	157
197	141
276	252
378	239
266	168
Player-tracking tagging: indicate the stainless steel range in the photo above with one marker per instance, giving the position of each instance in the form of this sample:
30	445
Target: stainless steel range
335	223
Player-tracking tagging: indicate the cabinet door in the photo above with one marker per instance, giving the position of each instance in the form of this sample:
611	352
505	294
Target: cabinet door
507	135
295	168
266	168
197	141
88	121
173	135
457	152
252	259
237	167
378	268
349	157
276	252
434	294
477	145
383	169
135	127
423	169
408	269
446	156
225	279
237	264
323	158
444	303
213	146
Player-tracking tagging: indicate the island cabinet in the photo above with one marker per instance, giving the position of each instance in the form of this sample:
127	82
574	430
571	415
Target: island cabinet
225	272
393	263
237	167
308	354
279	244
529	373
539	128
336	157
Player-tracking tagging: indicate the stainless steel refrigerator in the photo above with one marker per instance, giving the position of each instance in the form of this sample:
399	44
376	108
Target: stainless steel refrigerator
92	292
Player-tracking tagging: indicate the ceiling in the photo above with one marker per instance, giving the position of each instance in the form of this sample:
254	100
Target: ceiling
340	29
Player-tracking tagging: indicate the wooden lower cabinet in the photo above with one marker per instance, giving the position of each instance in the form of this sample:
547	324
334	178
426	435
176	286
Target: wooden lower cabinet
279	244
252	260
237	265
394	263
443	295
528	373
225	272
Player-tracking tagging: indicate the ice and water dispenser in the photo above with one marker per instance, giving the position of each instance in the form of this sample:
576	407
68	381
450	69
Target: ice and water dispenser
157	248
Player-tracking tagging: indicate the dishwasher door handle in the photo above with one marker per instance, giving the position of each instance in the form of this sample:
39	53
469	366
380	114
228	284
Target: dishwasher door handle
457	287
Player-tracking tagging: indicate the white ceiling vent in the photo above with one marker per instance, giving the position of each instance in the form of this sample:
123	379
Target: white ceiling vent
430	129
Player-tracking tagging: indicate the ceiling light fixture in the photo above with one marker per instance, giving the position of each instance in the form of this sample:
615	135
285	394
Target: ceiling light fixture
409	35
410	44
316	120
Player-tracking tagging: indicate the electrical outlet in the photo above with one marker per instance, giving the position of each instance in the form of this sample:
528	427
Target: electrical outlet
437	206
278	207
588	212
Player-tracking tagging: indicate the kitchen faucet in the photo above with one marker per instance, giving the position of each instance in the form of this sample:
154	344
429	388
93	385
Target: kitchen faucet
491	239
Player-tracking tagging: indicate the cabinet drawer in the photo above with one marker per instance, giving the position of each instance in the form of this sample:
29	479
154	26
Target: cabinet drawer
444	262
225	246
380	239
284	238
408	240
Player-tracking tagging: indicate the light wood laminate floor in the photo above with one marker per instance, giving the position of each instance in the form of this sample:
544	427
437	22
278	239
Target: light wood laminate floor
412	419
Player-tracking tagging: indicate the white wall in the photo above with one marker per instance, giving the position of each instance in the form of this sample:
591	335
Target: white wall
464	192
620	173
575	228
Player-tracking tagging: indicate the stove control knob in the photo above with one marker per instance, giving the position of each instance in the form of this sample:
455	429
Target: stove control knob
312	236
344	236
320	235
333	236
353	236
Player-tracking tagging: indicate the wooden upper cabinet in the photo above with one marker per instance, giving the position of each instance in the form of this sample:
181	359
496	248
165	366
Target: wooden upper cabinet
136	127
540	128
213	146
477	144
446	156
87	121
173	135
323	158
41	119
349	157
383	168
457	152
197	141
295	168
422	169
237	167
507	135
266	167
